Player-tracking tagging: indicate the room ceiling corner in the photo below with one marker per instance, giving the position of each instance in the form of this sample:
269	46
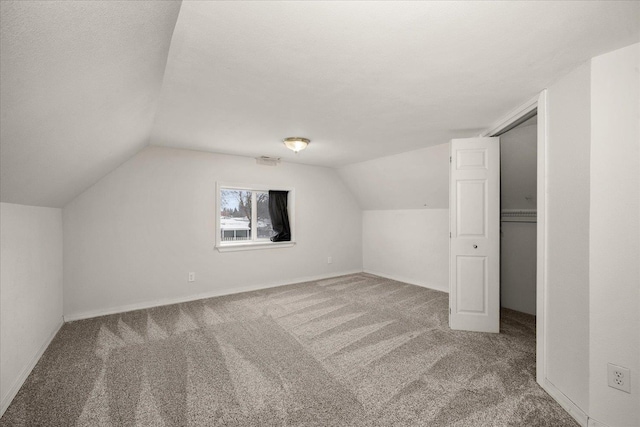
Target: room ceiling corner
78	92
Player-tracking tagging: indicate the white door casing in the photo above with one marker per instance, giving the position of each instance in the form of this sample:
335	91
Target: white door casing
474	222
538	104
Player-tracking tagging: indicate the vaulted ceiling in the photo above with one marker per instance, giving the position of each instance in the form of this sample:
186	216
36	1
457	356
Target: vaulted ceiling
85	85
79	86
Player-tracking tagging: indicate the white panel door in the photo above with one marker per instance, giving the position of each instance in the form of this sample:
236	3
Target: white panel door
474	206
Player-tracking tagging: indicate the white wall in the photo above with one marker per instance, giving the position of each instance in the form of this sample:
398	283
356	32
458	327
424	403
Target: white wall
131	239
593	247
518	266
518	163
567	310
31	290
614	322
410	245
405	227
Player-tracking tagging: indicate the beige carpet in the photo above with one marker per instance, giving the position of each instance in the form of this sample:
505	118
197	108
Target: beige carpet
356	350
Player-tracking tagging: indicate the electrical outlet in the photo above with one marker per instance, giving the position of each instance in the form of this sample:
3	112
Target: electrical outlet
619	377
192	276
329	260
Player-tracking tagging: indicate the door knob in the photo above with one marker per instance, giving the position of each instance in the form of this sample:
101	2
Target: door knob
475	246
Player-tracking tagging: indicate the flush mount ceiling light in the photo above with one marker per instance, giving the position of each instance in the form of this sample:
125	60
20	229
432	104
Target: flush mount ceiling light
296	143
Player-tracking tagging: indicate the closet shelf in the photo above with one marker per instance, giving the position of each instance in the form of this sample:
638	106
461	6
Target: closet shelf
518	215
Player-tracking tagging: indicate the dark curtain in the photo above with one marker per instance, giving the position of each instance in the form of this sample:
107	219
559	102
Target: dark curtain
279	216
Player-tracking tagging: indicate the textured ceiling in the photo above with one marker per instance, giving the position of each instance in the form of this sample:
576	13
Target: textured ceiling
367	79
78	93
82	84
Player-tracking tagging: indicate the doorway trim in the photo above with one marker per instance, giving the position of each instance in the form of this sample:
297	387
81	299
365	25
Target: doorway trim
536	105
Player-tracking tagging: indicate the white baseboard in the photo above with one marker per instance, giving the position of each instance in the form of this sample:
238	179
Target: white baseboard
217	293
15	387
596	423
408	280
578	414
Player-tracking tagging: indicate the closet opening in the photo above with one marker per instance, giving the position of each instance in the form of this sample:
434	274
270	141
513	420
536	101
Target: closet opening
523	189
518	214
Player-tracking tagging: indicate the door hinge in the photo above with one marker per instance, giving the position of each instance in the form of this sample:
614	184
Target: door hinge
449	234
449	159
449	310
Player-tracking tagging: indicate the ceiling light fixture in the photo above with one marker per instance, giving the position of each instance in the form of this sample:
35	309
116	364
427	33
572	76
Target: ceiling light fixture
296	143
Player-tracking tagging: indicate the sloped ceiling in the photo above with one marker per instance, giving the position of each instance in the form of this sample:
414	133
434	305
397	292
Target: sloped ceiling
79	88
81	81
368	79
417	179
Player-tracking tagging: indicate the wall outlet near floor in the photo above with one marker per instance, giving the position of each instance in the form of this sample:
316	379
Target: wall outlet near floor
619	377
192	276
329	260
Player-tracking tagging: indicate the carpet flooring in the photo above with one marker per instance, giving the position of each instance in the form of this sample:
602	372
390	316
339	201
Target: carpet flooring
356	350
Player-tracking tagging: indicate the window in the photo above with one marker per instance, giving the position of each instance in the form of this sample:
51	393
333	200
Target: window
244	220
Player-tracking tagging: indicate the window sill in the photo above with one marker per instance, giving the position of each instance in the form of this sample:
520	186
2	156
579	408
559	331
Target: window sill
234	247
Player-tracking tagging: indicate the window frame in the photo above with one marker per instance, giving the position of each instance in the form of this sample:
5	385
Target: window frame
254	243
